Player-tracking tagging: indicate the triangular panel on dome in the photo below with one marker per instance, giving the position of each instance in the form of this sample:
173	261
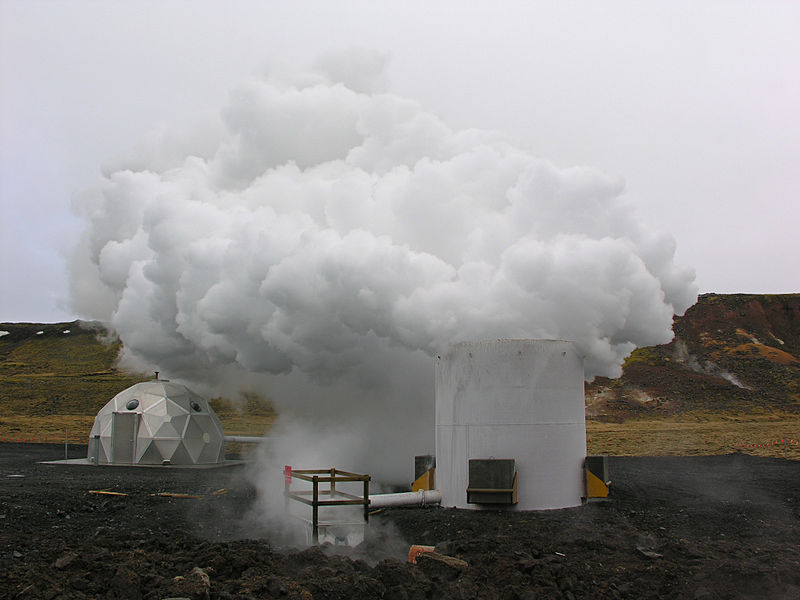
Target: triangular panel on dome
213	451
105	450
151	423
199	424
167	430
181	456
143	439
105	427
156	408
179	423
207	424
150	454
174	409
151	394
167	447
195	439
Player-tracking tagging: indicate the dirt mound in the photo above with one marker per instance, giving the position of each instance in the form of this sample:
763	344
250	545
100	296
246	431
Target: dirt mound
694	527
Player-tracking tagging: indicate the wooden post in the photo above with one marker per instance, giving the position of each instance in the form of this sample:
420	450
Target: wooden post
315	512
287	482
366	499
333	482
66	445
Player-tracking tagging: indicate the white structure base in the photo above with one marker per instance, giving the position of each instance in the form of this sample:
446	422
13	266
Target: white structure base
518	399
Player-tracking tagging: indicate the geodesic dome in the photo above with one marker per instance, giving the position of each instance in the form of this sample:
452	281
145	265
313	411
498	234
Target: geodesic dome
155	423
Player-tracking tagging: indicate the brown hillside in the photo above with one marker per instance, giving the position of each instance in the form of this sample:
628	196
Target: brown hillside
58	368
736	352
55	377
731	354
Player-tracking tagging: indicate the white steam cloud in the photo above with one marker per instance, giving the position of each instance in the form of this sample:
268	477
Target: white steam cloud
322	228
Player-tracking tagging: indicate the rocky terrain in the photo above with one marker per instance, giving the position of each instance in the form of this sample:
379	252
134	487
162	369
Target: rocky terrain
674	527
731	353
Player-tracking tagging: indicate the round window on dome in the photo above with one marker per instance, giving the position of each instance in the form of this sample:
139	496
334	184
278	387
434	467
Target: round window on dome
132	404
195	406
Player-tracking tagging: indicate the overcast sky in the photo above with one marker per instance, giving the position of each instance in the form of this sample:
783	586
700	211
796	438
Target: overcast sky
694	104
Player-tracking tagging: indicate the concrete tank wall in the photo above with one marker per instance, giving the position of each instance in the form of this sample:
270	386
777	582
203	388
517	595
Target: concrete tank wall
520	399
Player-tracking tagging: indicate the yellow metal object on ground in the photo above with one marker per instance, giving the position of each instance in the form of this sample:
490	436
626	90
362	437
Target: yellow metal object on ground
595	487
424	481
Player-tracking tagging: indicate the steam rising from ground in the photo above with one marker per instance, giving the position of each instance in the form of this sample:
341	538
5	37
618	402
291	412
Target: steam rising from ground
335	237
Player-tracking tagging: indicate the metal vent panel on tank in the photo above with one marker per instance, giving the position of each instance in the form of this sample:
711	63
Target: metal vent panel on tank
512	399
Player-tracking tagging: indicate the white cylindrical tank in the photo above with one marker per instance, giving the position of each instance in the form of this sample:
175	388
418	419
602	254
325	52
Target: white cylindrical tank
512	399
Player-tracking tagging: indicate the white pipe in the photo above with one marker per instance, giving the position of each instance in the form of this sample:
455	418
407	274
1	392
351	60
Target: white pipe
420	498
246	439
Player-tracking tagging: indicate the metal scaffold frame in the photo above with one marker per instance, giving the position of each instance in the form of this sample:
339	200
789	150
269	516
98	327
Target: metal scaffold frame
334	497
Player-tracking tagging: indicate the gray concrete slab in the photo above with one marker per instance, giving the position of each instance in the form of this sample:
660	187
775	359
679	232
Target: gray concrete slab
85	462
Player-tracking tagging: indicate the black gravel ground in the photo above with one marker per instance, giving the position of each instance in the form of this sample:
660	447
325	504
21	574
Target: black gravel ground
690	527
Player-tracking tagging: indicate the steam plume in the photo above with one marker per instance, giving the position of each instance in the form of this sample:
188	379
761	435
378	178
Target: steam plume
337	236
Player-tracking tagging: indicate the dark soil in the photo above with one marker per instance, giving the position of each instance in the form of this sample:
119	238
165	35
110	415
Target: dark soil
693	527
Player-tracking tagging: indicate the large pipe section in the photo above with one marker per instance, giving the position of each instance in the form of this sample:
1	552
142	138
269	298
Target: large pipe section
246	439
420	498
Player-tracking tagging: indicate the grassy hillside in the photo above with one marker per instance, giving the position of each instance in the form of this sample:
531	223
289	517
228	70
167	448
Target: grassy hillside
55	377
730	380
61	368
